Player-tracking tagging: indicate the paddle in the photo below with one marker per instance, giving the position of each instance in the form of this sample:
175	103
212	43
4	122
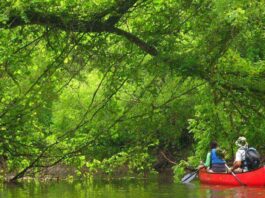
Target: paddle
239	181
189	177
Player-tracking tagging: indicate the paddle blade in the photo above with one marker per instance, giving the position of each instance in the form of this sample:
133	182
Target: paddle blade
189	177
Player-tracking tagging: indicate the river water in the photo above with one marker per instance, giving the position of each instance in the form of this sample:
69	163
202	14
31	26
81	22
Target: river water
149	188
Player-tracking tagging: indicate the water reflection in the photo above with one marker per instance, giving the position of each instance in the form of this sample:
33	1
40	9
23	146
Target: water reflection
126	188
230	192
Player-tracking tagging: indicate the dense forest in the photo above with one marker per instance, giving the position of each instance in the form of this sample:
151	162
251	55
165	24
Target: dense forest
110	86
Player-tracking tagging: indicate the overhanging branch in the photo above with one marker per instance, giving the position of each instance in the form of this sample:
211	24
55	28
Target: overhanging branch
72	23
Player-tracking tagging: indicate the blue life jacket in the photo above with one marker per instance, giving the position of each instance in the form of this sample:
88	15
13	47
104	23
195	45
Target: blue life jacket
215	159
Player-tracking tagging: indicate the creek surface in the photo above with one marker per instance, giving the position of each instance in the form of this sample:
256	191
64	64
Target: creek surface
136	188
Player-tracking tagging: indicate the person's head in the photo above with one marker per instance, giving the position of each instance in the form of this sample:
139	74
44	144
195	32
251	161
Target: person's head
213	144
241	142
221	152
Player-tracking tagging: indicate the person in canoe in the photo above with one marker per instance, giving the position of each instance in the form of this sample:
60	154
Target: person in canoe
214	160
239	164
246	158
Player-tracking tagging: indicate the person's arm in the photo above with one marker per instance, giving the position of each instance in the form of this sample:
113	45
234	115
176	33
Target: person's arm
208	160
238	161
236	165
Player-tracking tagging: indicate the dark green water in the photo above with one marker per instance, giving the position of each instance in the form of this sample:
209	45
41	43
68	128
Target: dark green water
119	188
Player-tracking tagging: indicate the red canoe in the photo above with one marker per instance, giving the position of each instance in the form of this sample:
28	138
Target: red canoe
251	178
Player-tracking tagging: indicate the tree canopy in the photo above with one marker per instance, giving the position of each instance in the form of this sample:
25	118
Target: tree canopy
107	83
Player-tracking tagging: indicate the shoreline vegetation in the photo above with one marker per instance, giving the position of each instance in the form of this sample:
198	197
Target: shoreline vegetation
62	172
107	85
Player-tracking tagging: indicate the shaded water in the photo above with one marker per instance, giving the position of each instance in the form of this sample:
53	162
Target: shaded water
152	188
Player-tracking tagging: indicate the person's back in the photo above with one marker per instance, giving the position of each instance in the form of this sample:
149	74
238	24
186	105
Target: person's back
240	160
214	161
218	164
241	164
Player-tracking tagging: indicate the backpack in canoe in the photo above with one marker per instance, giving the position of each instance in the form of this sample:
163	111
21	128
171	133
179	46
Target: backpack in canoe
252	158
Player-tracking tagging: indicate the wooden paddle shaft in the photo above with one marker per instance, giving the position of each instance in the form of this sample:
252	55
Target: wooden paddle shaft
235	176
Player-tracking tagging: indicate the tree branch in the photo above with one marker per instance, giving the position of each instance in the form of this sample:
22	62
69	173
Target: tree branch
74	24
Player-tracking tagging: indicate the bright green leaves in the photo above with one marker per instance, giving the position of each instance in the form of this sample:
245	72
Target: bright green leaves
135	160
95	102
236	17
179	170
3	18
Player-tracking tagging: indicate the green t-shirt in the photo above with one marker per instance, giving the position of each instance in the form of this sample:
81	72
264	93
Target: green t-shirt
208	160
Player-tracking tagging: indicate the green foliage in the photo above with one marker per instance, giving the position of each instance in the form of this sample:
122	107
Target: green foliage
104	85
179	170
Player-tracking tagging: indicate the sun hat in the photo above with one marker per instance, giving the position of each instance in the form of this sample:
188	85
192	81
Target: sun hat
241	142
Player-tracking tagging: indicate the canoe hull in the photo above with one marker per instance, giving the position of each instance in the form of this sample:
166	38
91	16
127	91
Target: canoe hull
251	178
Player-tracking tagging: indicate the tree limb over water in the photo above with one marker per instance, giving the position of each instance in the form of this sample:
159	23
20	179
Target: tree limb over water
73	23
